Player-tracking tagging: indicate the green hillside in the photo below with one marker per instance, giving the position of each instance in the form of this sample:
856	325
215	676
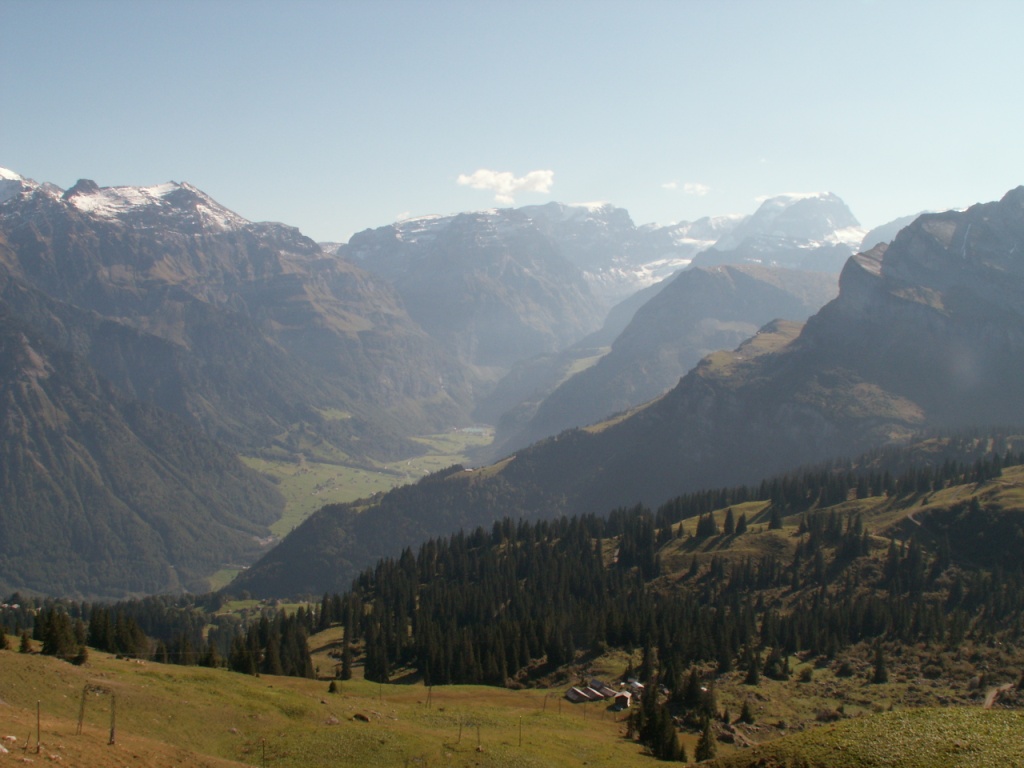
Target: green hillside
856	614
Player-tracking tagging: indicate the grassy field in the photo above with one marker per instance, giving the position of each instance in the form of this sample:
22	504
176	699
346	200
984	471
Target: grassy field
957	737
190	716
308	485
177	716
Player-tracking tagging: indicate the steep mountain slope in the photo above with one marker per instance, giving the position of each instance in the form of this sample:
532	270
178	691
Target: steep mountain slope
104	495
699	311
258	309
927	333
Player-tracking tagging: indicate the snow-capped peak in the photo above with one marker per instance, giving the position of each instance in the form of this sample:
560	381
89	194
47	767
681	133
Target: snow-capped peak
811	217
787	198
118	202
13	184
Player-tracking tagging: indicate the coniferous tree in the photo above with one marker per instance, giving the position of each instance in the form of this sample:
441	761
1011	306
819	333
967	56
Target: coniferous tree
753	667
26	643
707	747
724	658
747	714
160	655
210	657
692	695
879	674
668	747
346	660
241	658
729	526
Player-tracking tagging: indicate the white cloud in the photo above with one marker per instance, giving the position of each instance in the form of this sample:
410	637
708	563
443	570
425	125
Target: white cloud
696	188
670	185
505	185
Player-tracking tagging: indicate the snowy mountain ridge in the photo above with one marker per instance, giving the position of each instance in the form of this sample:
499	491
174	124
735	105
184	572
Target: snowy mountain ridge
120	203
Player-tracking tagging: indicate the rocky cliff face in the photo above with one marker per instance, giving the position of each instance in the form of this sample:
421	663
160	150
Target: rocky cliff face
938	315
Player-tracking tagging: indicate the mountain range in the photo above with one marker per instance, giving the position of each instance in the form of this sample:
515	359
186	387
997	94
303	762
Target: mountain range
191	332
925	333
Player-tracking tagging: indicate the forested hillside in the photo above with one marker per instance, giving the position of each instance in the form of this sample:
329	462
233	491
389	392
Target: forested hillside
808	562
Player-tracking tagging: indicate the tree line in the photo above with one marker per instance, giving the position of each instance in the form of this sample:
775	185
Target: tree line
490	606
183	630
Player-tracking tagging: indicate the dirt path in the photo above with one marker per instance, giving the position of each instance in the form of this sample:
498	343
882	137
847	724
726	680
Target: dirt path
993	693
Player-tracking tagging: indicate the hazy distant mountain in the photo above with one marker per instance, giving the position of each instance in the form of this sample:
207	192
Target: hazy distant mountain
699	311
491	290
501	286
885	233
925	333
815	232
268	332
516	396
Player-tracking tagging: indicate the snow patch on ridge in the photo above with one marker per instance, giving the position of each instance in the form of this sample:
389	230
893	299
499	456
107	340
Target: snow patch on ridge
117	202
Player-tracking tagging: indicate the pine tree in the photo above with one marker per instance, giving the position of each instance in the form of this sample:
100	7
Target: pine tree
210	657
346	660
753	668
26	643
707	747
668	746
81	657
880	674
746	714
729	526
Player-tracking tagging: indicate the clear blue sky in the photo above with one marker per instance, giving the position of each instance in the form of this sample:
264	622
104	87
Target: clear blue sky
338	116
